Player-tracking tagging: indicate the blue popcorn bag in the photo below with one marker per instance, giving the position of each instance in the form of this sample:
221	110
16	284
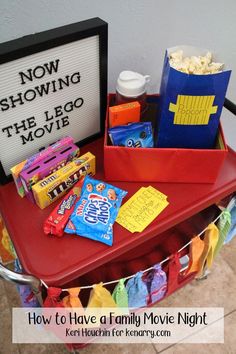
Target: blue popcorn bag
192	95
96	211
132	135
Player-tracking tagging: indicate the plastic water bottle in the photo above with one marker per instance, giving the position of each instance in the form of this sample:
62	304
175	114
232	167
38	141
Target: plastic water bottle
131	86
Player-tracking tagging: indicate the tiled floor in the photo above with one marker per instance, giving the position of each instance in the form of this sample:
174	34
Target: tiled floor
218	290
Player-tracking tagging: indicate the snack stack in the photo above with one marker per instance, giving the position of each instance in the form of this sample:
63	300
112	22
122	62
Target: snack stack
49	151
46	166
55	185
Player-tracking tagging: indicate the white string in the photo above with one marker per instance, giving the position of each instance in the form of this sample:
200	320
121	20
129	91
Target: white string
146	270
44	284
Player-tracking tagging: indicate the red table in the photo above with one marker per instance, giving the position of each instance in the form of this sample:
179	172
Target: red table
59	261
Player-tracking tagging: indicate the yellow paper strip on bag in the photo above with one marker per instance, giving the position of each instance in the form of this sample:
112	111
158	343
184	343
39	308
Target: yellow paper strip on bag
193	110
141	209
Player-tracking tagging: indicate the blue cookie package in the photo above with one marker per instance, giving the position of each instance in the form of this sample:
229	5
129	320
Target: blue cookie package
132	135
96	211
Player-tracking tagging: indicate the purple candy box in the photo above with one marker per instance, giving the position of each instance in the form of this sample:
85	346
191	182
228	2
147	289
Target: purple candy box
45	167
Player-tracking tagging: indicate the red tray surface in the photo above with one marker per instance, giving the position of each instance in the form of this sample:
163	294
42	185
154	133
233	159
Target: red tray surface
61	260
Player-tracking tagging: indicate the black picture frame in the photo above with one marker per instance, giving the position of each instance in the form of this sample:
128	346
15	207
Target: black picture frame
56	37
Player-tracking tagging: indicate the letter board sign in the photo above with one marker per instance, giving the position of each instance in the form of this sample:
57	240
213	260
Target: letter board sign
52	84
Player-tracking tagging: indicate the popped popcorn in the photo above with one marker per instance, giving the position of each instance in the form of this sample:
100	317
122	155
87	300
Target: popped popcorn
198	65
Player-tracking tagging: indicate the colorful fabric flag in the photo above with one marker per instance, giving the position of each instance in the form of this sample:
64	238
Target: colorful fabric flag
120	295
53	298
100	297
156	283
27	297
195	253
7	251
137	291
72	300
224	225
232	209
211	237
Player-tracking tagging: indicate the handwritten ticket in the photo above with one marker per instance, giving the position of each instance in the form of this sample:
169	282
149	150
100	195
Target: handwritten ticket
141	209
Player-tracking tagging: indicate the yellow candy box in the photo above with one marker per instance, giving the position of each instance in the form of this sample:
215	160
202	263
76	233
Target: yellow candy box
55	185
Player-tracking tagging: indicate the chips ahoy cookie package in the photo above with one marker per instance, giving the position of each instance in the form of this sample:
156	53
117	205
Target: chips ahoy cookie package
96	211
192	95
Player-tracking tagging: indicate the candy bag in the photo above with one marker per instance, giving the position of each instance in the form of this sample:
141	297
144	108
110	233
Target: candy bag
224	225
53	298
7	251
27	297
156	283
196	249
211	237
96	211
100	297
132	135
72	300
120	294
137	291
232	231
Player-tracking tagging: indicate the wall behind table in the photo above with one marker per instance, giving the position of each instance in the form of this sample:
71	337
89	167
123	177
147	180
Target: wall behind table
139	32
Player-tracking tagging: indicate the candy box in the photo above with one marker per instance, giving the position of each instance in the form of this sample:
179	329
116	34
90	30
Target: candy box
59	217
190	102
46	166
36	158
162	164
55	185
124	114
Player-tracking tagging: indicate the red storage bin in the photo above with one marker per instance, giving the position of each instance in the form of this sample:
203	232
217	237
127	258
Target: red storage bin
162	164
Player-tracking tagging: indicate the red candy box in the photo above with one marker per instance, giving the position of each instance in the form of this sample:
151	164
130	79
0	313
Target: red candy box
59	217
